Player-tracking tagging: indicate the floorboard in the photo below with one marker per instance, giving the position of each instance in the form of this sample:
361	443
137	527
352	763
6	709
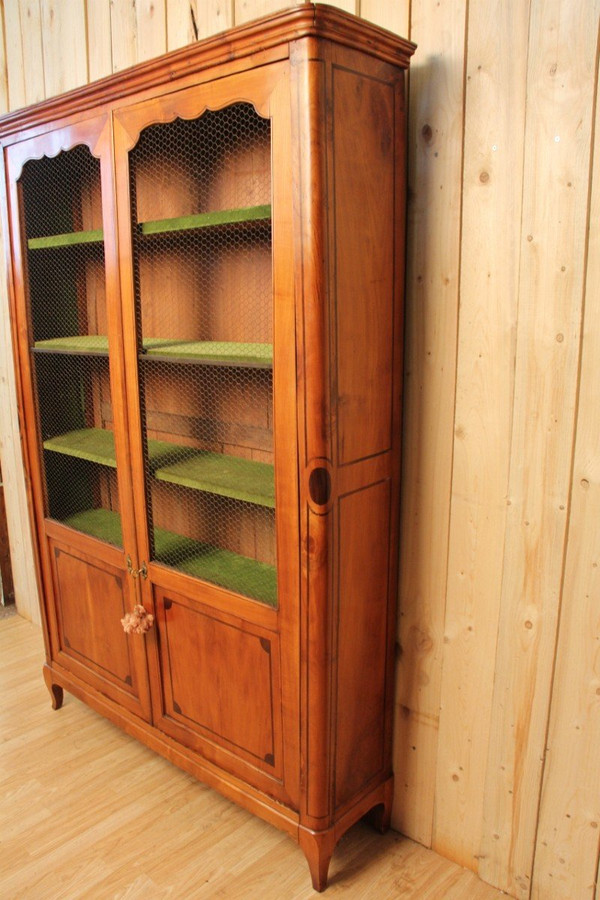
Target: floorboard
87	812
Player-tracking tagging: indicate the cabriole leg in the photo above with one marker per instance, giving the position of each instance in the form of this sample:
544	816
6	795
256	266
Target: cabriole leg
318	849
56	692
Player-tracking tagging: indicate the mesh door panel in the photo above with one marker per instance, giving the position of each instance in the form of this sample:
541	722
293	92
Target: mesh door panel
65	284
201	194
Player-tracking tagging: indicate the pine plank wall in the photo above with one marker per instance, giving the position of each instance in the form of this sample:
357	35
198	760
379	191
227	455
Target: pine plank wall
497	751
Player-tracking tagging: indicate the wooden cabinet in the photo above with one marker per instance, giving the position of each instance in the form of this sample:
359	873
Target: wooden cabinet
206	279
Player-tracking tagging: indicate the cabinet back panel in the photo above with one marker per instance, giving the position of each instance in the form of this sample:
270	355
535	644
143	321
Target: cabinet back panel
220	161
200	289
211	519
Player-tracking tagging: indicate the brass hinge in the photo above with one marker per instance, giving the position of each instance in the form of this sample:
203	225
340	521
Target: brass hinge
135	573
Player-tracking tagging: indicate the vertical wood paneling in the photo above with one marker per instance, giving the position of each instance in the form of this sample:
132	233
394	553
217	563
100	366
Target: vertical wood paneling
139	31
99	38
435	162
246	10
191	21
492	189
393	14
569	827
3	66
24	59
350	6
64	45
560	85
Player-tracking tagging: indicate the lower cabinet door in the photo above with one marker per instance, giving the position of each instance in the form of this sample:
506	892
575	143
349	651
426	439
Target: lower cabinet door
220	688
91	597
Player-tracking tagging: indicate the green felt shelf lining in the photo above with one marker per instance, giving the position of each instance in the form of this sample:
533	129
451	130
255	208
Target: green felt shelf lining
93	444
225	353
218	473
222	567
69	239
82	344
211	219
214	473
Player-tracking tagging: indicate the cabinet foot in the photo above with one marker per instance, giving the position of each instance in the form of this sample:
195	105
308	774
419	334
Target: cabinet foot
56	692
380	816
318	849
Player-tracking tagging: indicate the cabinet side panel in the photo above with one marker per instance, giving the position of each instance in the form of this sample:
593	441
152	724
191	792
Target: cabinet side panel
364	535
363	172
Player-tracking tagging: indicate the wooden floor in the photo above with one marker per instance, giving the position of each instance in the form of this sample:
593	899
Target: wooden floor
87	812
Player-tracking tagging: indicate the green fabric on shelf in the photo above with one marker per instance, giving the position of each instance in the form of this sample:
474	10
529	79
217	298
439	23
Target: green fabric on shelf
228	353
77	343
206	220
69	239
221	567
215	473
218	473
103	524
94	444
218	352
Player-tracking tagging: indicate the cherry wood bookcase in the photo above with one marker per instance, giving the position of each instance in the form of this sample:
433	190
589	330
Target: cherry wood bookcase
206	275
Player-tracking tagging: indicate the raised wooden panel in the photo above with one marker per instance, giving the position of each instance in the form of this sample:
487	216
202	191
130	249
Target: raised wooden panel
363	534
220	681
90	606
363	174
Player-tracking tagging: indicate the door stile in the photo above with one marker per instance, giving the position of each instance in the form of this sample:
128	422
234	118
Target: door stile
285	426
124	454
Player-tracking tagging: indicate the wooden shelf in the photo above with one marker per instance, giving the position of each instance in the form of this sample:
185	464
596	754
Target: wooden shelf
222	474
94	444
214	353
222	567
210	353
213	473
69	239
75	345
213	219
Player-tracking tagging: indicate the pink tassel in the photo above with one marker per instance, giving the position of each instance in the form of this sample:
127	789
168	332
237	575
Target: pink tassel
137	622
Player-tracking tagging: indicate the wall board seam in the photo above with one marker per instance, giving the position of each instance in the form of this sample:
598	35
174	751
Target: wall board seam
569	526
434	840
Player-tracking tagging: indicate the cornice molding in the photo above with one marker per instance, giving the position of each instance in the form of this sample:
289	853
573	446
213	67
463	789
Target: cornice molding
302	21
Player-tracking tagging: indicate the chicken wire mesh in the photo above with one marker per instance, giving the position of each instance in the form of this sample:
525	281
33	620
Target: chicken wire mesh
201	226
62	211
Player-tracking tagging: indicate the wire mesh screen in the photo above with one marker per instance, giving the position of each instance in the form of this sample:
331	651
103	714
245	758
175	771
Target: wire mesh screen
201	195
61	202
